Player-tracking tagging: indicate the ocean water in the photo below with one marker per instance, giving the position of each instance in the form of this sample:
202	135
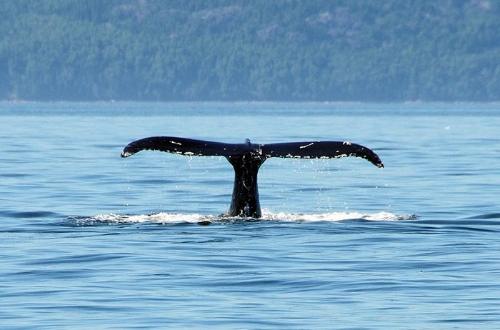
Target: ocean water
91	240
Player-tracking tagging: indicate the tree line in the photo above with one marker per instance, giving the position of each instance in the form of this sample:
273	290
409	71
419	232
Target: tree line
163	50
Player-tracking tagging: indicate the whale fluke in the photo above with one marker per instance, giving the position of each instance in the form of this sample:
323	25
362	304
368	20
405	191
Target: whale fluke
183	146
320	149
246	159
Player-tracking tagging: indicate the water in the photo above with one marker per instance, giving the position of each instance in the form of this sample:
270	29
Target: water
90	240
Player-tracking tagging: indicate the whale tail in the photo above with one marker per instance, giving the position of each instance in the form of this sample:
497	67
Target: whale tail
310	149
246	159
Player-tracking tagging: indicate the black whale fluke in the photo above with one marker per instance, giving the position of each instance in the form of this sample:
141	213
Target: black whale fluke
247	158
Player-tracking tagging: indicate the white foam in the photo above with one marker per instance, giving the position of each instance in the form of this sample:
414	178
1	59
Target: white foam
176	218
336	216
162	218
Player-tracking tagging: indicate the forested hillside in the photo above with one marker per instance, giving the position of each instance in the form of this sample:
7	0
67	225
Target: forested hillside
365	50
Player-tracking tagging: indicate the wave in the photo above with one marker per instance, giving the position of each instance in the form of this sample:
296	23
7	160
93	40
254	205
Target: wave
337	216
180	218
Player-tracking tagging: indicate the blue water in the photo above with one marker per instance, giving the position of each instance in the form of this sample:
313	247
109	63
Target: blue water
90	240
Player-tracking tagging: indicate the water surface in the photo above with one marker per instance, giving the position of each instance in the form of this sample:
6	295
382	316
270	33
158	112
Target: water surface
92	240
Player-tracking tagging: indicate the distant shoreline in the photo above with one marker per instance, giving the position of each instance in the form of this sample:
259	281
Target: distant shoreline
242	51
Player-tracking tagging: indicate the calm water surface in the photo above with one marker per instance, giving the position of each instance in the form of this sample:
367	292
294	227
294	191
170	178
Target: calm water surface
90	240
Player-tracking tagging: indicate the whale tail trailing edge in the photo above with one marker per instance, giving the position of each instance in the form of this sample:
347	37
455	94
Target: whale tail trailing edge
183	146
246	159
320	149
312	149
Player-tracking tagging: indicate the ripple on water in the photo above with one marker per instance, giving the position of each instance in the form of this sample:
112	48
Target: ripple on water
485	216
29	214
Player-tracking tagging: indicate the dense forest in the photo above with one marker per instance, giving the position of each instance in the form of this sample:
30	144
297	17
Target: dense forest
321	50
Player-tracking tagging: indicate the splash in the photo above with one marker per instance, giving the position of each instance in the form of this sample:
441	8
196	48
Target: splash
336	216
194	218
